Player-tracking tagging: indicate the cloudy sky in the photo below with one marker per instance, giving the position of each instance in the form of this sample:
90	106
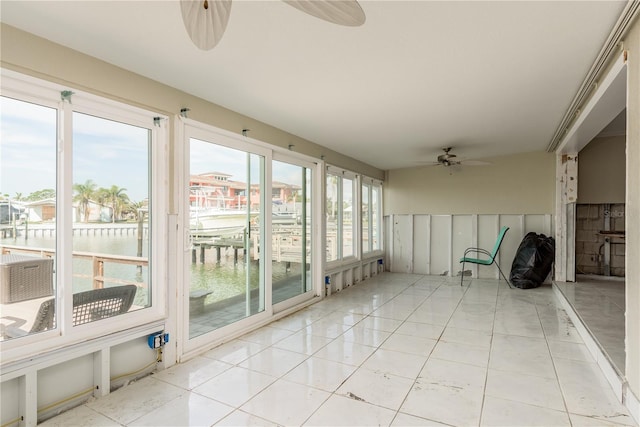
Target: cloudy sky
106	152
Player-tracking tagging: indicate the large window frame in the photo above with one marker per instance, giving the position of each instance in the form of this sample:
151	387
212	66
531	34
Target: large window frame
67	100
312	227
188	128
343	226
372	218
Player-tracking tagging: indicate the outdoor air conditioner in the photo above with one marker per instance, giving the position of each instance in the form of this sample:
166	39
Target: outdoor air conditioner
25	277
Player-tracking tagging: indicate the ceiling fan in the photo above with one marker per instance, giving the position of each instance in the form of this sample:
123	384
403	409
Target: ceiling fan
206	20
449	159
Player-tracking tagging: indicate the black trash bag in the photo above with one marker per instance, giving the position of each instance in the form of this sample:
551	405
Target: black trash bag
533	261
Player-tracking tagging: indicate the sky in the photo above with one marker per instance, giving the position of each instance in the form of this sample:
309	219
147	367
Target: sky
207	157
106	152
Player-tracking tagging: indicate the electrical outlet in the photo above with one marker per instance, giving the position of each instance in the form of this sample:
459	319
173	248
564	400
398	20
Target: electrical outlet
158	340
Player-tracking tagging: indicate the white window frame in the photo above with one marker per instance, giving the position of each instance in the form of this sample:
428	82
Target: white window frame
356	208
316	214
370	184
185	130
379	223
41	92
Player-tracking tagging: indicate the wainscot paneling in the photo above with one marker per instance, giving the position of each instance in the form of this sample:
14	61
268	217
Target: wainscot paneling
433	244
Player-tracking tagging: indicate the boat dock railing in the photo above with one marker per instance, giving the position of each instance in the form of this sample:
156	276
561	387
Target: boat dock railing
286	246
26	230
98	262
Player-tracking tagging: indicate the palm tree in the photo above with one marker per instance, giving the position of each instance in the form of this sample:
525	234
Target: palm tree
83	195
134	208
117	198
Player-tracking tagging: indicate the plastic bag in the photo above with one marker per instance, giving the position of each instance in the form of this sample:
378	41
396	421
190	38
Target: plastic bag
533	261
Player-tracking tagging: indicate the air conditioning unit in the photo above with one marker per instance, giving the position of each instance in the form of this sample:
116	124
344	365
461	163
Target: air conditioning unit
25	277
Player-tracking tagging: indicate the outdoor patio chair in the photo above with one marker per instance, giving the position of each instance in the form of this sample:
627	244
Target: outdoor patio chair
485	261
98	304
88	306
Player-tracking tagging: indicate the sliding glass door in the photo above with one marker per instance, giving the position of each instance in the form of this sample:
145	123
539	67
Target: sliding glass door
226	269
291	230
248	218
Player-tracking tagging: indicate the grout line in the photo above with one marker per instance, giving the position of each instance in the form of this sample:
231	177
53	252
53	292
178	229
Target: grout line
553	362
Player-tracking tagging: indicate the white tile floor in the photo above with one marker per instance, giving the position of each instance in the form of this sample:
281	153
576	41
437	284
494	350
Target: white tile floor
397	349
599	302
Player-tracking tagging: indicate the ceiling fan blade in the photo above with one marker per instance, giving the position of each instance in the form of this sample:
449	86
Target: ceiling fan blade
474	163
341	12
205	21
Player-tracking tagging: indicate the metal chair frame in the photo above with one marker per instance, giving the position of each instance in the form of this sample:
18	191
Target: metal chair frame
88	306
492	256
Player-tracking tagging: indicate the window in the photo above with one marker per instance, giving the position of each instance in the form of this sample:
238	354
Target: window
225	277
28	228
291	219
371	214
341	215
110	209
80	210
258	256
376	217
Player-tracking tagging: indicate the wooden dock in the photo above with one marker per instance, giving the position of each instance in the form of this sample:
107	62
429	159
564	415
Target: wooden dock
286	246
218	244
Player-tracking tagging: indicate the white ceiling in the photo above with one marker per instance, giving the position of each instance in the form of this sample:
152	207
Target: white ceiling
487	78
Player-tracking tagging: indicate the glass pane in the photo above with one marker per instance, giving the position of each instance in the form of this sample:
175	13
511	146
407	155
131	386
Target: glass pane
331	215
347	217
111	192
291	230
375	217
225	201
366	241
27	218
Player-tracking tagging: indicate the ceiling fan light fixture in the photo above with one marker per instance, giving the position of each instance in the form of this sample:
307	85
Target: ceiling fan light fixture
205	21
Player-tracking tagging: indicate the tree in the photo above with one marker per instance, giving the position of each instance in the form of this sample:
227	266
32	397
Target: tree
117	198
134	208
47	193
83	195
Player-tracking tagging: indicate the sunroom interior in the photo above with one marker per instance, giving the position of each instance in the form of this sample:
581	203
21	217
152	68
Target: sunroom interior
171	184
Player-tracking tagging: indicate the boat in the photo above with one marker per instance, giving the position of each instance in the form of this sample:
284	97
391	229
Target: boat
284	218
219	223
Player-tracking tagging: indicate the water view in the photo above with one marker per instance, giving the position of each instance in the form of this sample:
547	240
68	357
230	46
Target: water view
225	279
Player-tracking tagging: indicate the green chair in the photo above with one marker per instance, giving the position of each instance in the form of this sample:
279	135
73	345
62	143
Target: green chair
488	261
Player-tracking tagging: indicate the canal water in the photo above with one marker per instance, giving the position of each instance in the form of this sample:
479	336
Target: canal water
224	279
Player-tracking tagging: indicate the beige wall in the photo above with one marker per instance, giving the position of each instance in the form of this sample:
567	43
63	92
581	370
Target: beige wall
601	171
38	57
515	184
632	372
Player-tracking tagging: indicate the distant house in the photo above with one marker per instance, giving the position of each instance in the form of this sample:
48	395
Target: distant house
41	210
97	213
10	210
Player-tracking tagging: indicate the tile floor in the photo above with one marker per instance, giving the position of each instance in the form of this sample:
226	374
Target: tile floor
599	302
396	349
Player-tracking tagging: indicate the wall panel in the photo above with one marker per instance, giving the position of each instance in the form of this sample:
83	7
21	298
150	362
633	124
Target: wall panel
512	239
440	244
433	244
488	228
402	255
421	244
462	238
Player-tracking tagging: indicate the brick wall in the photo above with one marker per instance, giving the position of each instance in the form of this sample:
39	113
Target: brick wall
590	220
